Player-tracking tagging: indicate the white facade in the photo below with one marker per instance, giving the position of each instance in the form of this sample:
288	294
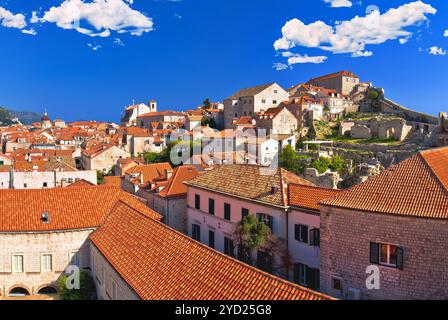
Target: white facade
51	179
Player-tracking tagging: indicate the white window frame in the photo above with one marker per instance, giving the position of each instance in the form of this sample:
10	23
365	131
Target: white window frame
12	262
42	269
387	263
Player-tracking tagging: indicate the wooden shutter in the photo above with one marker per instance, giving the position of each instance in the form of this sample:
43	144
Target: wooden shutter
400	256
271	222
305	233
312	278
297	232
374	253
315	237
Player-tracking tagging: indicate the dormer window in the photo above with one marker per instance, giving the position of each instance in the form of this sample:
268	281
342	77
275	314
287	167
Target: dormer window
45	217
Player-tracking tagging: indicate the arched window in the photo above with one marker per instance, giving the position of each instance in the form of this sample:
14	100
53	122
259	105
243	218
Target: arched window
18	292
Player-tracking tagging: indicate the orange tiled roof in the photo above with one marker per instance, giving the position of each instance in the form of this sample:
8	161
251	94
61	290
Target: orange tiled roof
112	181
159	263
150	171
161	113
308	197
81	183
415	187
68	208
175	186
250	182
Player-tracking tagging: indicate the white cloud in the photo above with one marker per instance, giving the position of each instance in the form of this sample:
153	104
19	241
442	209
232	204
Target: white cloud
294	58
352	36
118	42
31	31
94	47
339	3
10	20
280	66
445	34
101	16
436	51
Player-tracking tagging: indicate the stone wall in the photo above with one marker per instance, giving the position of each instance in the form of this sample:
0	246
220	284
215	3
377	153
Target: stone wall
32	245
345	253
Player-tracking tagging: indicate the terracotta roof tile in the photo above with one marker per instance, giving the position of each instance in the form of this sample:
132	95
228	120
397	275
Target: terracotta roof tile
150	171
308	197
415	187
159	263
69	208
175	186
251	182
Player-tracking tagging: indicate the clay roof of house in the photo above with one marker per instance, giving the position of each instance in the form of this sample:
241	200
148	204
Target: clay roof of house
250	182
175	186
161	113
68	208
150	171
308	197
252	91
96	150
244	121
137	132
415	187
81	183
112	181
159	263
30	166
333	75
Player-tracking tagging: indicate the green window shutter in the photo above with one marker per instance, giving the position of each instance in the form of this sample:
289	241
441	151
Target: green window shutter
374	253
400	256
297	232
305	233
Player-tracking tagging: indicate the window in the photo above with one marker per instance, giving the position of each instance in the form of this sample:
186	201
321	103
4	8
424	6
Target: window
267	219
301	233
47	263
244	213
275	91
263	101
300	274
45	184
197	201
211	206
196	232
25	185
229	247
306	276
73	258
211	239
387	255
227	214
274	101
336	284
315	237
264	261
17	263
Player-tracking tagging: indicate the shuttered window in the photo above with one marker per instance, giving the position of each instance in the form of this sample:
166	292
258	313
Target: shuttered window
301	233
315	237
211	206
387	255
47	263
227	210
197	201
196	232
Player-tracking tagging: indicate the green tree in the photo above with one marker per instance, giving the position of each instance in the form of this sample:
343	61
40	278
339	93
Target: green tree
290	161
210	122
151	157
206	104
252	234
337	163
99	176
86	289
321	164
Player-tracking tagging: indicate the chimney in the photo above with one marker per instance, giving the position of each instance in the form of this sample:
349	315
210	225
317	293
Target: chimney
168	173
45	217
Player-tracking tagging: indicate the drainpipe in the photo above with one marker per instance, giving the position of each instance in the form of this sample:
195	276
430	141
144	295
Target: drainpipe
287	211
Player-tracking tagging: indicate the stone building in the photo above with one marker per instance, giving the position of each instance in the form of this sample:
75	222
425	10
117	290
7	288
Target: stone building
393	227
442	136
249	101
133	112
102	156
123	245
343	82
278	120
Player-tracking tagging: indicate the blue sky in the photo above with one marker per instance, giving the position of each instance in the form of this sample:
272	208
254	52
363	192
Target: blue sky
181	52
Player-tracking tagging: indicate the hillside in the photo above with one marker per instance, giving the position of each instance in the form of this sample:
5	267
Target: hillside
26	117
6	118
